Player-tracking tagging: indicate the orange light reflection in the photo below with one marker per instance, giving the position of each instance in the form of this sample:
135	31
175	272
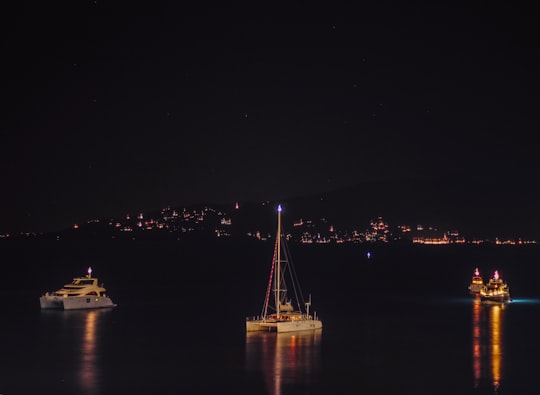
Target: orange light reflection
476	341
487	343
89	362
283	358
496	344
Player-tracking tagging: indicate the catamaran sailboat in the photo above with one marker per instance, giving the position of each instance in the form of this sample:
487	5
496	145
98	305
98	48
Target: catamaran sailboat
280	313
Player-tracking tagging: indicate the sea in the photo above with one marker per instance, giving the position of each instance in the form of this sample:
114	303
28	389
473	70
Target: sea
397	319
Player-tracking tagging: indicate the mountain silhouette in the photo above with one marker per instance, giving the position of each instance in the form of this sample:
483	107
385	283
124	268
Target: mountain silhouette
482	207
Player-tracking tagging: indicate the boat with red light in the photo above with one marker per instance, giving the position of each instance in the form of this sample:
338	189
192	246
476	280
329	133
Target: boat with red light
496	290
477	283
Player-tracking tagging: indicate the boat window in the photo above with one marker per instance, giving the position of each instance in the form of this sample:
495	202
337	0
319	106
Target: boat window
86	282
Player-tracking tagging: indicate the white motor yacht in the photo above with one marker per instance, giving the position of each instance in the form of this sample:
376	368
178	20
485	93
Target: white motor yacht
83	293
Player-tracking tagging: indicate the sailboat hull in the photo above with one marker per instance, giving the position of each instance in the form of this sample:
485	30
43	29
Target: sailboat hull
282	326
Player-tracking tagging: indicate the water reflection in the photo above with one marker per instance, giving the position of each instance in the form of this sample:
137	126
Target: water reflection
487	343
89	359
80	333
284	359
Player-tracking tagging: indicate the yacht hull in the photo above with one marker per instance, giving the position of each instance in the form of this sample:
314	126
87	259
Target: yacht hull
75	302
495	299
475	289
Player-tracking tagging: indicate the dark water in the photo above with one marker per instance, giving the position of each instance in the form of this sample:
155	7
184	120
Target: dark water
400	322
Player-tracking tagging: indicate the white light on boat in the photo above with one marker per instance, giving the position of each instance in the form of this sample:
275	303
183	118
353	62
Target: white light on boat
89	271
496	275
279	209
476	272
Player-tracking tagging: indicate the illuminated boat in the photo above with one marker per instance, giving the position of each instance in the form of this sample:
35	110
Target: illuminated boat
496	290
477	283
82	293
279	312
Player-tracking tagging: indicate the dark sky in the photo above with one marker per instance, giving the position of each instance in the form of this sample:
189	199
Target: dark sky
117	107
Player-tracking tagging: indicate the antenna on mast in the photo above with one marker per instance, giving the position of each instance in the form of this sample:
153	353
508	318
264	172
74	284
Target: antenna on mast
308	303
278	274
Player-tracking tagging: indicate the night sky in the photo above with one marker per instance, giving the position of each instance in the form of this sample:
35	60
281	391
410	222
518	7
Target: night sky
119	107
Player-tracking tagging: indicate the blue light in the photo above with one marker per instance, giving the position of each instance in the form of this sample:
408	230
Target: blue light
526	300
279	208
368	254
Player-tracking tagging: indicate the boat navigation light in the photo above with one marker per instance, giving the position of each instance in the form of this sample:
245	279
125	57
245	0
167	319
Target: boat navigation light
496	275
89	271
279	208
476	272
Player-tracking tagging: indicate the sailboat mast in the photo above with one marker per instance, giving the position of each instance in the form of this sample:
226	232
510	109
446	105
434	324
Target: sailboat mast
278	276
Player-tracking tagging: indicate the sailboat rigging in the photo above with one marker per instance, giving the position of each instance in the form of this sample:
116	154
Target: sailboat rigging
278	313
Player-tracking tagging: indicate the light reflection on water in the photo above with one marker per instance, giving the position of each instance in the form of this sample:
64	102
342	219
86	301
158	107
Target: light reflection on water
81	332
284	358
487	343
89	358
525	301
